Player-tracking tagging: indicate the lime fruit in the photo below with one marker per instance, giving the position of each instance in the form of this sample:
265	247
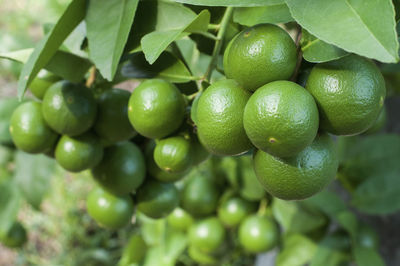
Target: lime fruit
281	118
258	234
108	210
15	237
29	130
174	154
349	92
220	118
233	210
259	55
42	82
79	153
379	124
156	199
301	176
69	109
156	108
112	123
122	169
180	219
207	235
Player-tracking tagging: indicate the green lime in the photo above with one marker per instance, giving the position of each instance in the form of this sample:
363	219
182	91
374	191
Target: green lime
233	210
379	124
122	169
155	171
200	196
180	219
207	235
15	237
201	257
301	176
69	109
156	199
259	55
42	82
349	92
220	118
156	108
258	234
174	154
79	153
112	121
281	118
29	130
108	210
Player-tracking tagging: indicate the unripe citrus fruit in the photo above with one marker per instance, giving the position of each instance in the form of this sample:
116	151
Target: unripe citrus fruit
112	123
180	219
156	108
69	109
379	124
108	210
233	210
79	153
349	93
122	169
29	130
301	176
207	235
281	118
259	55
220	118
42	82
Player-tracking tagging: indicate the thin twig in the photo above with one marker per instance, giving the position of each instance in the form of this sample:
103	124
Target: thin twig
92	77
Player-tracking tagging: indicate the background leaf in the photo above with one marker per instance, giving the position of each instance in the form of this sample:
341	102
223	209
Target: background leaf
367	256
297	250
250	16
108	23
229	2
49	45
365	29
9	205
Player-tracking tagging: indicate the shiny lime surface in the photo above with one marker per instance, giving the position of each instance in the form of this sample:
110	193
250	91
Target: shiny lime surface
207	235
79	153
29	130
112	121
156	199
180	219
233	210
108	210
42	82
122	169
281	118
69	109
156	108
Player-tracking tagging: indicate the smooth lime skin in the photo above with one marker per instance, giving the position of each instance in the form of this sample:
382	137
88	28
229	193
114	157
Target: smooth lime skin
174	154
156	108
259	55
155	171
301	176
79	153
200	196
220	118
180	219
234	210
69	109
122	169
42	82
29	130
281	118
15	237
207	235
349	92
258	234
156	199
110	211
379	124
112	123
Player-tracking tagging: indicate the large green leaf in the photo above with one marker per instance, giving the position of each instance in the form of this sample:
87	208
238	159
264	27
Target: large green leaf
166	67
230	2
317	51
49	45
367	257
329	253
250	16
32	175
365	28
9	205
7	107
297	251
108	23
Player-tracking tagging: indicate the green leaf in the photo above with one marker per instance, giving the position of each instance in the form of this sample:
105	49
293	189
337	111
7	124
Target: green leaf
328	253
250	16
134	251
7	107
367	257
20	56
166	67
243	3
9	205
354	26
152	230
108	23
32	175
49	45
297	251
317	51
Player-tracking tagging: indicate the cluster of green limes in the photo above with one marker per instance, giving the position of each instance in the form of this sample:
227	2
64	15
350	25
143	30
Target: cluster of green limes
288	124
